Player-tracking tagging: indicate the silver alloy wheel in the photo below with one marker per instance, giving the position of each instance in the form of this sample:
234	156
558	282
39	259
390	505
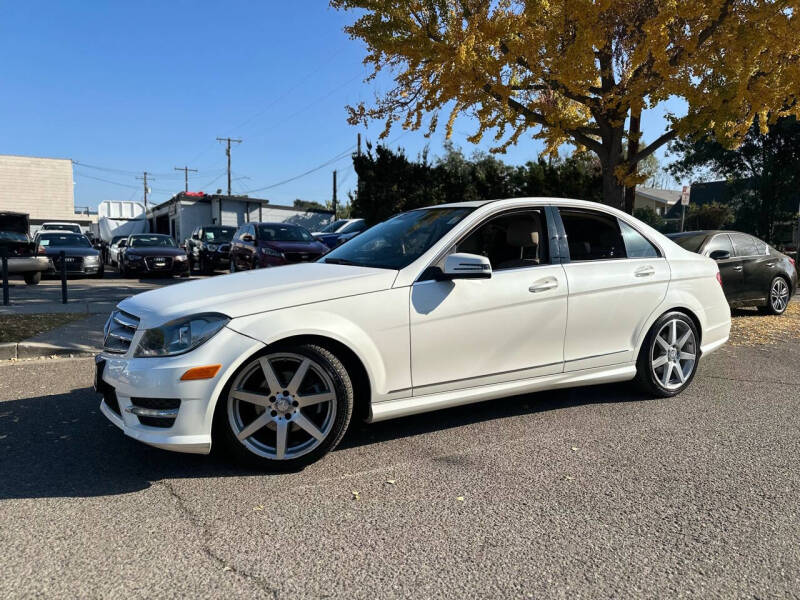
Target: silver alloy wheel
779	295
282	406
673	354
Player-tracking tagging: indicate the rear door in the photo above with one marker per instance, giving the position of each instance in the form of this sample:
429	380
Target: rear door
616	277
752	287
730	269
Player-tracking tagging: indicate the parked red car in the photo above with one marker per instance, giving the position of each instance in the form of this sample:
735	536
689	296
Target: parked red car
258	245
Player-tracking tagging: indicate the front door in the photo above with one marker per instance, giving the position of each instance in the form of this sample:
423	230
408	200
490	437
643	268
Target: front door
472	332
616	278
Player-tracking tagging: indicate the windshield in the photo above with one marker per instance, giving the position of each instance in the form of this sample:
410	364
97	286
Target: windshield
117	238
396	243
218	234
353	227
690	242
62	227
283	233
63	239
333	226
149	241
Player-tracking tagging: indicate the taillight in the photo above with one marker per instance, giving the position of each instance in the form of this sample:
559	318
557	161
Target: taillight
791	260
41	250
719	278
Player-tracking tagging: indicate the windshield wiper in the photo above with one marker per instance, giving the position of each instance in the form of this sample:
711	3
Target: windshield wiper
342	261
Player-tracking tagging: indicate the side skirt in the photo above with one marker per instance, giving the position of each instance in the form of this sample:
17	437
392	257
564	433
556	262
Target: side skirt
392	409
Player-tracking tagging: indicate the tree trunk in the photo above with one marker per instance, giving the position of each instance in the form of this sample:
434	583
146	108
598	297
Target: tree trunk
613	190
634	131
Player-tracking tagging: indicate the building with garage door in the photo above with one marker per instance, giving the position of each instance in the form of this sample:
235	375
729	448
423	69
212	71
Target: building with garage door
181	214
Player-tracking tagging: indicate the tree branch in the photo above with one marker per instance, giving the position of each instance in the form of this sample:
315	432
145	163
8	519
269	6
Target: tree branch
653	146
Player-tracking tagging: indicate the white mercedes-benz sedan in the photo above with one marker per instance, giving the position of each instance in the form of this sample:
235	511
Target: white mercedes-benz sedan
433	308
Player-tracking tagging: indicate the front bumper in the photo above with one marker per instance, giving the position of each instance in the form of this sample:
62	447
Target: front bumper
173	267
159	378
29	264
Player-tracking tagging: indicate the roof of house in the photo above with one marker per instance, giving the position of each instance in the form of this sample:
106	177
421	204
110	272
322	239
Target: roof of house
668	197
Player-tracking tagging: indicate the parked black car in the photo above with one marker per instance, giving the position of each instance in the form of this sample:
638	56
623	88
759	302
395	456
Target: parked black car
79	256
258	245
209	247
152	254
753	273
21	251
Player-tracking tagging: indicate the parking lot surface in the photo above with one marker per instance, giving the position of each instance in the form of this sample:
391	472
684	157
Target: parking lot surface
593	492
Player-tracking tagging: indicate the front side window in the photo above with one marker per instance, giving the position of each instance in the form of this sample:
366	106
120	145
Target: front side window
283	233
152	241
509	241
743	244
399	241
719	242
636	245
592	235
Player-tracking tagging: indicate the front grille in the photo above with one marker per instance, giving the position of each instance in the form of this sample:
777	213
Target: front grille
301	256
155	263
157	403
224	248
74	263
119	331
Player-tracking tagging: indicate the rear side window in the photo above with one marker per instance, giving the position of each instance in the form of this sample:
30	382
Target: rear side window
592	235
719	242
636	245
744	244
761	247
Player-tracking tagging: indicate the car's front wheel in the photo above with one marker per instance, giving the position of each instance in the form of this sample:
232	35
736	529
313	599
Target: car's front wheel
669	355
285	409
33	278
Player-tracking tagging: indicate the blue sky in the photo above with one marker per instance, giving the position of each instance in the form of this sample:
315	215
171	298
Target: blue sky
127	87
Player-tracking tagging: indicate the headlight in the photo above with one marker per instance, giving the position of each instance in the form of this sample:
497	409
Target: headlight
270	252
90	259
212	247
180	257
180	336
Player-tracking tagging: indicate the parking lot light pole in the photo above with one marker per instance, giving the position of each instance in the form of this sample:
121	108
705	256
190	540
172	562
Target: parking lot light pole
4	253
63	257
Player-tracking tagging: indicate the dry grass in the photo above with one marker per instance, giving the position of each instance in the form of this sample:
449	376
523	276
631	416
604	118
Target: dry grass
15	328
750	328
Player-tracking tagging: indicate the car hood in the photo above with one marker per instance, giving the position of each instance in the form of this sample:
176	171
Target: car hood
154	251
70	251
314	246
257	291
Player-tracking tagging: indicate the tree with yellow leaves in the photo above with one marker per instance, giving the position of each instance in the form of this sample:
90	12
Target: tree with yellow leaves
582	71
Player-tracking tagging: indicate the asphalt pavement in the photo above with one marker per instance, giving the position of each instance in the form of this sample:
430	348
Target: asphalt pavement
593	492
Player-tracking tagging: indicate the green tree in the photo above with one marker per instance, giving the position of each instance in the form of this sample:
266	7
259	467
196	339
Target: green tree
650	216
763	173
708	216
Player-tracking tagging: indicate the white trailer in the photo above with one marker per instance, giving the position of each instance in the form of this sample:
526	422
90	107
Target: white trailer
115	218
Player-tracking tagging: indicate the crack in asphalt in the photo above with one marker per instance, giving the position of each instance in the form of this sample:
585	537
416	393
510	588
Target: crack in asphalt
206	548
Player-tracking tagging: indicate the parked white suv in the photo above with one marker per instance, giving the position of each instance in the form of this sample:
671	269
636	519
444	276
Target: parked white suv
433	308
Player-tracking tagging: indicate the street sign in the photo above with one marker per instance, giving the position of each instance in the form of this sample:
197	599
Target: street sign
685	195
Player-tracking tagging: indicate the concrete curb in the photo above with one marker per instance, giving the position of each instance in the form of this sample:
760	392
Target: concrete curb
23	350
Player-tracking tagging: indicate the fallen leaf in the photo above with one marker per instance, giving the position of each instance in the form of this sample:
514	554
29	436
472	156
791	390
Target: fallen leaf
259	507
355	495
227	569
390	481
568	478
574	448
460	498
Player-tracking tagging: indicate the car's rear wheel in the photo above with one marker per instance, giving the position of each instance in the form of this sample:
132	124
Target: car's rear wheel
33	278
778	297
285	409
669	355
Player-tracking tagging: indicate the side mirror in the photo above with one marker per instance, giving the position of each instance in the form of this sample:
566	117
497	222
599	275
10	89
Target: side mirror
247	238
195	236
720	255
466	266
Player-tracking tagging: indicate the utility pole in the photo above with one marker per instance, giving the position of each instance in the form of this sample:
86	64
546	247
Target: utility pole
186	176
334	195
146	189
228	154
359	145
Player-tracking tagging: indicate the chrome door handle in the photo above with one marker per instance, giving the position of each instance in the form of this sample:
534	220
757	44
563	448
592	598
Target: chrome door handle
644	271
738	268
548	283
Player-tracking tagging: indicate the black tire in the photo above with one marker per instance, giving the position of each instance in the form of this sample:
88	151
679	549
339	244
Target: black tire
202	266
342	386
647	376
33	278
123	269
772	307
233	266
